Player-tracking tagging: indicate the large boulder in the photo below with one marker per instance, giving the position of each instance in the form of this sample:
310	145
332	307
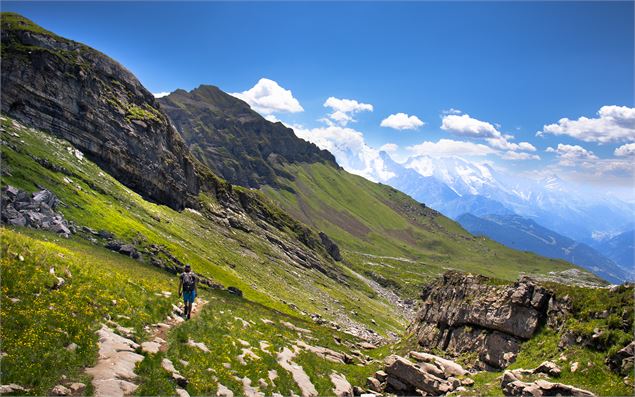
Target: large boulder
402	376
513	386
466	313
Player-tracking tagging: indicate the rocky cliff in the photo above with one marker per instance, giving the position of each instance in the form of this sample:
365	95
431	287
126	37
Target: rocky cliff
466	313
234	141
80	94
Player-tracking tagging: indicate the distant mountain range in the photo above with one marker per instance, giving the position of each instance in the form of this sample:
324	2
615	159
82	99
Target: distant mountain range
620	249
524	234
545	217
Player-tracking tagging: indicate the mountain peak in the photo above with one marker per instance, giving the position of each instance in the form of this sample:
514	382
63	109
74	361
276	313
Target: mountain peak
235	141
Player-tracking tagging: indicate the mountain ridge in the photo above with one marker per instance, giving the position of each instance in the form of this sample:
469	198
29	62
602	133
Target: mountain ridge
212	123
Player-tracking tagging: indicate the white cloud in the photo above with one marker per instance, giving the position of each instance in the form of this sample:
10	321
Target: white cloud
349	148
503	144
452	111
510	155
465	125
625	150
344	109
272	118
450	147
401	121
160	94
389	147
572	155
267	97
614	124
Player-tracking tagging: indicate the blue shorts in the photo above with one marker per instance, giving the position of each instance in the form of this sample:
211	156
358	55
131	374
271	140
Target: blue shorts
188	296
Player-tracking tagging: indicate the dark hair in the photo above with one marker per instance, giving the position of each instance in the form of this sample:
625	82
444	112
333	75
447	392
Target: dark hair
188	266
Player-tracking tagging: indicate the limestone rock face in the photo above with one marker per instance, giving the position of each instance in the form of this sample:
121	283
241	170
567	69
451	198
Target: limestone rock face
466	313
83	96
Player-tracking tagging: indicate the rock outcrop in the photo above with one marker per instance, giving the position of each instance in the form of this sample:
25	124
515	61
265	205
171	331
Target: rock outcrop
429	375
83	96
513	386
466	313
35	210
622	361
233	140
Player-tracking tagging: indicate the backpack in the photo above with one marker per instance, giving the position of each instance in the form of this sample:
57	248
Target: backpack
188	281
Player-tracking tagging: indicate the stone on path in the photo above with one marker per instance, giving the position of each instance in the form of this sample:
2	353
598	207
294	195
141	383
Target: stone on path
181	392
249	390
77	387
150	347
341	386
223	391
199	345
60	390
307	389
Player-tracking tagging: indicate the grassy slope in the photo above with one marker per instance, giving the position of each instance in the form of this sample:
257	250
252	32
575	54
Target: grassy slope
92	198
369	219
36	329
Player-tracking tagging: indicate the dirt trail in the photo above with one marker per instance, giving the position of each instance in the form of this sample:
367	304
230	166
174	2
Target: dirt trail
161	329
113	374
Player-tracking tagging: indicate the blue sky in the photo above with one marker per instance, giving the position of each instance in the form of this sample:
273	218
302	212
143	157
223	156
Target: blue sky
510	68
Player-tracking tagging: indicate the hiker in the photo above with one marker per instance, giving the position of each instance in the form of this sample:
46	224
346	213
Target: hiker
188	286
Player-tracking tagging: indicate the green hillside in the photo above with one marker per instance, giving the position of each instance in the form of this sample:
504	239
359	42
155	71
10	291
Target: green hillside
384	232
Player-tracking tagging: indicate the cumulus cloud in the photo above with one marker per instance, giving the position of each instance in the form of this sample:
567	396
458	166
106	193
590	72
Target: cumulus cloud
450	147
349	148
625	150
389	147
465	125
571	155
613	124
503	144
510	155
267	97
344	109
402	121
160	94
452	111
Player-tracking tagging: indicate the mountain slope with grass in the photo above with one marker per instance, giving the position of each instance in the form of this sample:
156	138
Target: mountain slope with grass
309	283
364	218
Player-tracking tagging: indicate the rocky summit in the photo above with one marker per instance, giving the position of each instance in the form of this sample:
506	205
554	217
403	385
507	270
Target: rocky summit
233	140
466	313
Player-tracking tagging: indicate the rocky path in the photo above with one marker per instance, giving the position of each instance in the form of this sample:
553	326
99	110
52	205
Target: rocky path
113	375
